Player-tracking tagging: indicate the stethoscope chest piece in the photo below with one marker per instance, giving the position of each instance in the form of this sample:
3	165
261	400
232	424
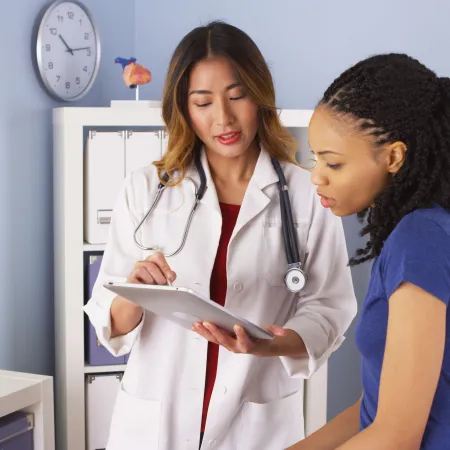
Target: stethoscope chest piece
295	279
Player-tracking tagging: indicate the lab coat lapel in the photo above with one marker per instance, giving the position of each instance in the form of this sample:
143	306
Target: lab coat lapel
210	199
255	200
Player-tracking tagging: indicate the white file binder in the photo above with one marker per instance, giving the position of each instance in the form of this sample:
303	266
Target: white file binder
101	392
141	149
104	168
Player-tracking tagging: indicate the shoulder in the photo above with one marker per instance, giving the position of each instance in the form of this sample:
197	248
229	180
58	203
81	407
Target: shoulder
298	180
418	251
141	183
427	227
295	172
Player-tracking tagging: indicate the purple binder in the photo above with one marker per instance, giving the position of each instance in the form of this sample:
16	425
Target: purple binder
96	354
16	431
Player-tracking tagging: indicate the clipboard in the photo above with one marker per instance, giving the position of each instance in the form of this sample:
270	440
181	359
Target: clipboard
184	306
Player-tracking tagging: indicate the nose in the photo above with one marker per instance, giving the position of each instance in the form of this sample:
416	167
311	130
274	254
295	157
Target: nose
317	177
224	114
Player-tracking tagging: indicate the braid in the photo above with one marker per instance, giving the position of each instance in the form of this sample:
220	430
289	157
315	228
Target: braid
393	98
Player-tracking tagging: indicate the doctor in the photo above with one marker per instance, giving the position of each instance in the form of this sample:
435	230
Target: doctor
180	385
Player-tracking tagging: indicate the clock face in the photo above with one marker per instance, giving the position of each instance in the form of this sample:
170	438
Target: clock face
68	50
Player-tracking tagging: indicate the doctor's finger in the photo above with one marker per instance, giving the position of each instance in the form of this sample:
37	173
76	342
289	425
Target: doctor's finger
222	338
244	343
276	330
155	272
202	331
160	260
141	275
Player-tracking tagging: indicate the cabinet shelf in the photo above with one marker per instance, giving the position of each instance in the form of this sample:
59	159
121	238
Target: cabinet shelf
93	247
105	369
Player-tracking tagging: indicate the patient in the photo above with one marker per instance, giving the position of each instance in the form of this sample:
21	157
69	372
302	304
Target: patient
381	135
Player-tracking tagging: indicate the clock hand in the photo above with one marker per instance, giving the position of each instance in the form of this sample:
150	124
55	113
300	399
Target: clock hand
65	43
81	48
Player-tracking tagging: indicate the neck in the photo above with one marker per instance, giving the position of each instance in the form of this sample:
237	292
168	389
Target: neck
232	175
233	170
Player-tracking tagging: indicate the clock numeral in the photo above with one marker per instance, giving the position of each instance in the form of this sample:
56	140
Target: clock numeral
50	65
60	19
67	84
81	22
85	69
48	47
77	80
89	52
57	78
53	31
86	36
71	15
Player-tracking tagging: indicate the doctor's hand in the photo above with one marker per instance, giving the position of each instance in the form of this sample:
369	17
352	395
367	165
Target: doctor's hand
242	342
152	270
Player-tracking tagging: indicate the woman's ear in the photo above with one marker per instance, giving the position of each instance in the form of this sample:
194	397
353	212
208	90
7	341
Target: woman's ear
396	156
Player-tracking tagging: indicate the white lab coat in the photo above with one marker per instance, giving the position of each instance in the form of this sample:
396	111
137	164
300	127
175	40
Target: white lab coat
257	403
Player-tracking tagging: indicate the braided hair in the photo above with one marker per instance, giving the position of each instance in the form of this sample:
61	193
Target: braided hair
391	98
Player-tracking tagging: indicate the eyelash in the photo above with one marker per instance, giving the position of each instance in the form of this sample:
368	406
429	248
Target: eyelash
231	98
330	166
334	166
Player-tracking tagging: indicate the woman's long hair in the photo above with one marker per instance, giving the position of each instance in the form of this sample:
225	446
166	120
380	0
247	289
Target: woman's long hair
219	39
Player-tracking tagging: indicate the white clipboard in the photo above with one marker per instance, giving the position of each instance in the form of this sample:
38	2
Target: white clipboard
184	306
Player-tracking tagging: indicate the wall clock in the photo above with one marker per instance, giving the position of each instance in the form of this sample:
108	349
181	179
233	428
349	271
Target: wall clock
68	50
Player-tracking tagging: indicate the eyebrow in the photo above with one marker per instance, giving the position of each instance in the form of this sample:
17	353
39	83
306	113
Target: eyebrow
325	152
328	152
203	91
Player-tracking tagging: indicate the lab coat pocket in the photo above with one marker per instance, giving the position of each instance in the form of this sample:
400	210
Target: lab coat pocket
272	426
275	260
135	423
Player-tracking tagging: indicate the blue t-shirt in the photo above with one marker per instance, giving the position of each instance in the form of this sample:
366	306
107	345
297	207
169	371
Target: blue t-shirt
418	252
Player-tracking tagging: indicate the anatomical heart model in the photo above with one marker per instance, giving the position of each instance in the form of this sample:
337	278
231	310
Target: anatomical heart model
134	75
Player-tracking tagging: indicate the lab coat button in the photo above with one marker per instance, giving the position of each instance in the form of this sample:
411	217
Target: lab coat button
224	390
212	442
237	287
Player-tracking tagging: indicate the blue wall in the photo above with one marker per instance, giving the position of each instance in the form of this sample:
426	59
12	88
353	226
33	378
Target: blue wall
26	237
307	45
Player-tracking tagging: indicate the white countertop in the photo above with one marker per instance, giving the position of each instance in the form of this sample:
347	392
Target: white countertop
32	393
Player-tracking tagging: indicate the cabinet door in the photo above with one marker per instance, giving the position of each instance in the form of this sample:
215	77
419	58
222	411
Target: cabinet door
101	393
141	149
104	170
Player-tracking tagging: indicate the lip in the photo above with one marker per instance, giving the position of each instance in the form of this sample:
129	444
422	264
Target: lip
226	133
236	135
326	202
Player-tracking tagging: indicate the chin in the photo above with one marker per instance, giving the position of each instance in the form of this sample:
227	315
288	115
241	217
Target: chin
232	151
341	212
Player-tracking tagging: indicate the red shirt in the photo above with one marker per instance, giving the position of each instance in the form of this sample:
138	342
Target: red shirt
218	291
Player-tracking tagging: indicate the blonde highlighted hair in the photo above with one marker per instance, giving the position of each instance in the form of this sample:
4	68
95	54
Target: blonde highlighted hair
219	39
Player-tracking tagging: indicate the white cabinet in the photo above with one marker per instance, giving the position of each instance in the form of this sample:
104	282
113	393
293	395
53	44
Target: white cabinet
32	394
140	145
109	156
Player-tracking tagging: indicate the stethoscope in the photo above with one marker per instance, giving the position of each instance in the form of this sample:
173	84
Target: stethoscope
295	277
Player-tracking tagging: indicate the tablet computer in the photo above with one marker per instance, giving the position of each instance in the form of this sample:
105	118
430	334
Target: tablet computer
184	306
